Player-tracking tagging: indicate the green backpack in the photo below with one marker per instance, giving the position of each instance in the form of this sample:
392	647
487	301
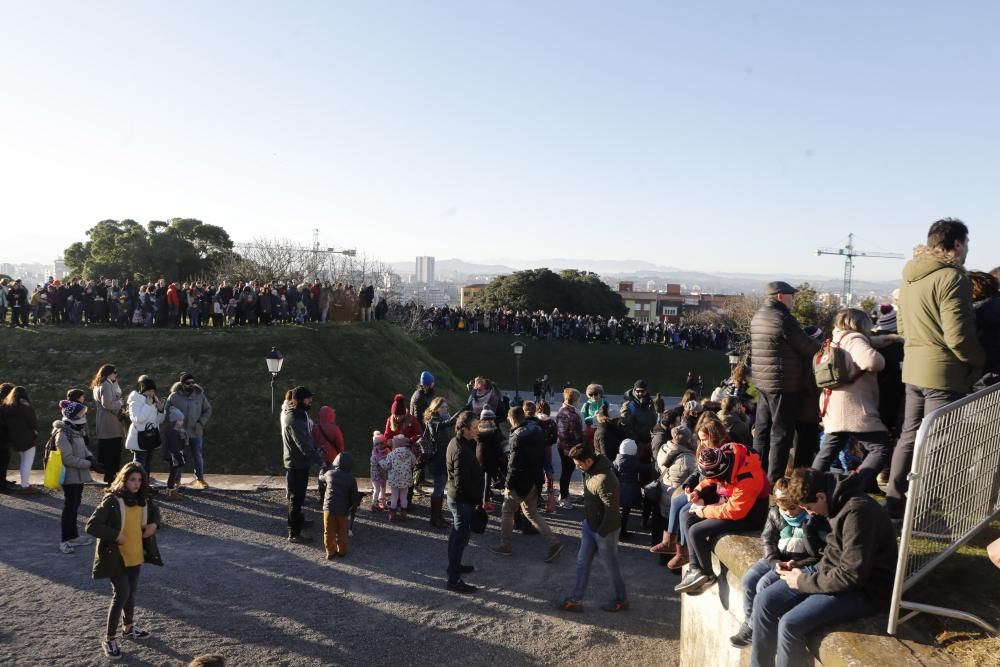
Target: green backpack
831	367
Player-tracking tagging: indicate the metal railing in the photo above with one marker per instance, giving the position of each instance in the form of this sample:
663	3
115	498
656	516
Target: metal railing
954	493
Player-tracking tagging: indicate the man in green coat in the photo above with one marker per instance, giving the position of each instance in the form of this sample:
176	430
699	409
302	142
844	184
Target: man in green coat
943	357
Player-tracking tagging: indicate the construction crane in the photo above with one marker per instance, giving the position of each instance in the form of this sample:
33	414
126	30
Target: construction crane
315	248
849	253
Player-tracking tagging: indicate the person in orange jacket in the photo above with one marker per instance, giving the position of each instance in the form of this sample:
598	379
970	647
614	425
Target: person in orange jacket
732	496
329	440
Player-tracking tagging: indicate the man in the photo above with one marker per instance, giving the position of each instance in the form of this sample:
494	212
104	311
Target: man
299	454
852	580
639	416
188	397
942	351
17	299
419	402
464	491
601	500
525	477
780	349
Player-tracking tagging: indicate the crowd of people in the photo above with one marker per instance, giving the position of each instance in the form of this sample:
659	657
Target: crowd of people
791	446
192	304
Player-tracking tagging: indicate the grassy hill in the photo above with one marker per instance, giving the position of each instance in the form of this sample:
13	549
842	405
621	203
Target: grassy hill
354	368
614	366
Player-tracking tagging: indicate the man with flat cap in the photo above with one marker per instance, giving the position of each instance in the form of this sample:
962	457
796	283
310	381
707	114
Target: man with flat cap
780	351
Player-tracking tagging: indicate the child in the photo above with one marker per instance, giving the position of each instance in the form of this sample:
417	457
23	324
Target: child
489	452
124	524
791	539
626	466
177	439
329	440
398	466
379	452
341	497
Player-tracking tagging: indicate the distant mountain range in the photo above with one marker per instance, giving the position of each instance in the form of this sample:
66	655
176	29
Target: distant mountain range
640	271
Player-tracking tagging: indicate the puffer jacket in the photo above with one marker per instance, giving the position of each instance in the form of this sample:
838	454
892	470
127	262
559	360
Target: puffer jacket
439	431
525	469
398	467
465	475
489	449
195	406
141	412
341	486
853	407
937	321
107	407
627	470
105	524
747	483
71	440
675	464
780	349
602	497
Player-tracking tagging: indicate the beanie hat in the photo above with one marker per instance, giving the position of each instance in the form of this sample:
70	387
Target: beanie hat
175	415
629	448
715	462
886	323
400	441
301	392
146	383
378	438
681	436
487	414
640	384
398	406
426	378
185	376
71	410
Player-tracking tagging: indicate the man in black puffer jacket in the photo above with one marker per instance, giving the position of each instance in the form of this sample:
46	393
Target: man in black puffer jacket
780	351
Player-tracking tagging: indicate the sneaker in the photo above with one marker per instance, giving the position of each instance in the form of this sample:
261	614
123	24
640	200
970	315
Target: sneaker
66	547
300	539
201	484
27	490
554	550
501	549
742	638
111	648
82	541
615	605
694	582
461	587
135	633
571	604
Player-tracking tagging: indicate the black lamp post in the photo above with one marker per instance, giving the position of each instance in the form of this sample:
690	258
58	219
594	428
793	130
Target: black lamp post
274	361
518	348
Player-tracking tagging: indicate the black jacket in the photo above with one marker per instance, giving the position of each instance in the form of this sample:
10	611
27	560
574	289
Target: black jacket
20	426
105	524
525	470
341	487
608	438
815	530
861	550
780	349
420	401
300	452
639	417
988	328
465	475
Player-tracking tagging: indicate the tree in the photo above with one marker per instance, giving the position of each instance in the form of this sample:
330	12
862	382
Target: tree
570	291
808	310
868	304
736	315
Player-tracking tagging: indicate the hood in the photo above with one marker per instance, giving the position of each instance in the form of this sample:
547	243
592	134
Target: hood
178	388
601	466
327	415
135	398
844	487
926	261
343	462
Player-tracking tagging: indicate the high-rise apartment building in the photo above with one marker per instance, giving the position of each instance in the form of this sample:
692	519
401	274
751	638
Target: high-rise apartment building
425	270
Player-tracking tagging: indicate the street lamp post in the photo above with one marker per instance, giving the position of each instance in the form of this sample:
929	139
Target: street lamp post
274	361
518	348
734	358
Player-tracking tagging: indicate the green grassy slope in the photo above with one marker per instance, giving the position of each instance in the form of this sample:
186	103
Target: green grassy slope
614	366
354	368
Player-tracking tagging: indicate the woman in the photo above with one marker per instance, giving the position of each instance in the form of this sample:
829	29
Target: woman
108	420
570	427
125	524
595	401
145	409
21	427
850	412
465	491
675	462
5	389
71	440
439	429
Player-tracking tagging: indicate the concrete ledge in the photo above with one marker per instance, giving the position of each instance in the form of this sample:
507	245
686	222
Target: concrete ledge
709	619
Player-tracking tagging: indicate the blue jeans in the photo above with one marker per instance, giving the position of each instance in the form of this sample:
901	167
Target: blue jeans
875	443
142	458
784	617
458	538
592	544
678	510
440	480
198	454
760	575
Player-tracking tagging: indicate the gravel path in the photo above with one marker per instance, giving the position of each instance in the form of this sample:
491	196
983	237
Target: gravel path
232	584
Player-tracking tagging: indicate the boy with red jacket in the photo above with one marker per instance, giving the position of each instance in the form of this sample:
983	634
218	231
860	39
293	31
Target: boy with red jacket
329	440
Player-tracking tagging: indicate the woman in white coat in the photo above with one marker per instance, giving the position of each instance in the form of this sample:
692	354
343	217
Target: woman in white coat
145	408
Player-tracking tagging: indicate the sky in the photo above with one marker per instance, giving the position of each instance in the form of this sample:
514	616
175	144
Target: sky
718	136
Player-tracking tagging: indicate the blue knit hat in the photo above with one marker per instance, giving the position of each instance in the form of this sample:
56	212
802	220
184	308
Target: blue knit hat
71	409
426	379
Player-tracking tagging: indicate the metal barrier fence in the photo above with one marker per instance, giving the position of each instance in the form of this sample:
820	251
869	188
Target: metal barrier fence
954	493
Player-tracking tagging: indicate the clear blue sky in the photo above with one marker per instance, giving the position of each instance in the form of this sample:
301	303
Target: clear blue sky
717	136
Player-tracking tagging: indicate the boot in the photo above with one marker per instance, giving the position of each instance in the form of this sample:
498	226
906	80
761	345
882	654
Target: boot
437	521
392	515
667	546
679	560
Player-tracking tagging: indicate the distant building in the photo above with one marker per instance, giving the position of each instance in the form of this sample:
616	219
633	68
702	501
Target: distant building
469	292
650	285
425	270
59	269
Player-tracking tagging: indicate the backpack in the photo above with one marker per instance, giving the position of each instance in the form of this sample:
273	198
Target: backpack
50	446
831	367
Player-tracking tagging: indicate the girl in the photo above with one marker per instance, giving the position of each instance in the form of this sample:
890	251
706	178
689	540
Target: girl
379	452
398	466
71	439
570	427
125	524
21	425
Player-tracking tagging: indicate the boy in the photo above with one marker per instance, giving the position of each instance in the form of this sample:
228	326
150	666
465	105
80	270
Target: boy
341	498
177	439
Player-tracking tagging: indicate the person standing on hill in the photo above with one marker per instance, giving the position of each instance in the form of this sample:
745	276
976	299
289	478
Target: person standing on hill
188	397
108	420
780	350
21	426
299	454
938	324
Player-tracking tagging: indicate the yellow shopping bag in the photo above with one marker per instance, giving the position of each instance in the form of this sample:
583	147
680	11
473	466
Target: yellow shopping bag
55	472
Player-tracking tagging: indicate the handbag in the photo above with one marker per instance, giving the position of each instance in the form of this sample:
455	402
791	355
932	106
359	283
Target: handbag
55	471
478	520
651	492
149	438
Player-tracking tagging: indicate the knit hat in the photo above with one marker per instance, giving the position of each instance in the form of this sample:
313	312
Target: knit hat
400	441
175	415
629	448
715	462
681	436
378	438
487	414
886	322
146	383
398	405
71	410
301	392
185	376
426	379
